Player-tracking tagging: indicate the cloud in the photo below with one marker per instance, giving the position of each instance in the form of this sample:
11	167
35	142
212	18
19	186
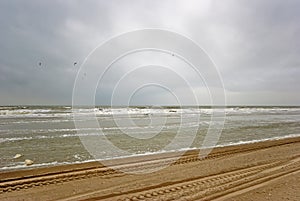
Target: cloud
254	44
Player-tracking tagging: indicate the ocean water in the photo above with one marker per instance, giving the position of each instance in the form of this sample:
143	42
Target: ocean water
48	135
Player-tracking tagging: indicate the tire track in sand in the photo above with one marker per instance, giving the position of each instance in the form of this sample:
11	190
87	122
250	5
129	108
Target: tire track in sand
17	184
214	187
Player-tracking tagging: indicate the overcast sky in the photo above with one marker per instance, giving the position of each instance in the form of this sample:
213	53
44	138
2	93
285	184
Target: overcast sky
254	43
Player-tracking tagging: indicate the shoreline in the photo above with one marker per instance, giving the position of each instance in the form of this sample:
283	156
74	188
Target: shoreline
149	154
142	158
94	180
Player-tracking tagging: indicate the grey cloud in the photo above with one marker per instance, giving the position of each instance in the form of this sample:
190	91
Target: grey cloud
254	43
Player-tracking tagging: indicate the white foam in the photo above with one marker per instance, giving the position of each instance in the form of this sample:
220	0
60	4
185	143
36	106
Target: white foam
23	166
257	140
69	112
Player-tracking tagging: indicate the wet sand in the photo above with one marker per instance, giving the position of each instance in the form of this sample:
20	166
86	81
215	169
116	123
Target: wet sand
260	171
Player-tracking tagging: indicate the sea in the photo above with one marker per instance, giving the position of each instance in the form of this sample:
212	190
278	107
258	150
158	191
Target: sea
55	135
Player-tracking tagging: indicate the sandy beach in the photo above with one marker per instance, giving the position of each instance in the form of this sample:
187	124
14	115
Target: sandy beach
259	171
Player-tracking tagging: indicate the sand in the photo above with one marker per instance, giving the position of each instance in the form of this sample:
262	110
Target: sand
260	171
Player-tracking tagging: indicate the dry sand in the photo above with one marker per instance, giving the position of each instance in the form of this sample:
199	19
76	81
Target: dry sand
259	171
